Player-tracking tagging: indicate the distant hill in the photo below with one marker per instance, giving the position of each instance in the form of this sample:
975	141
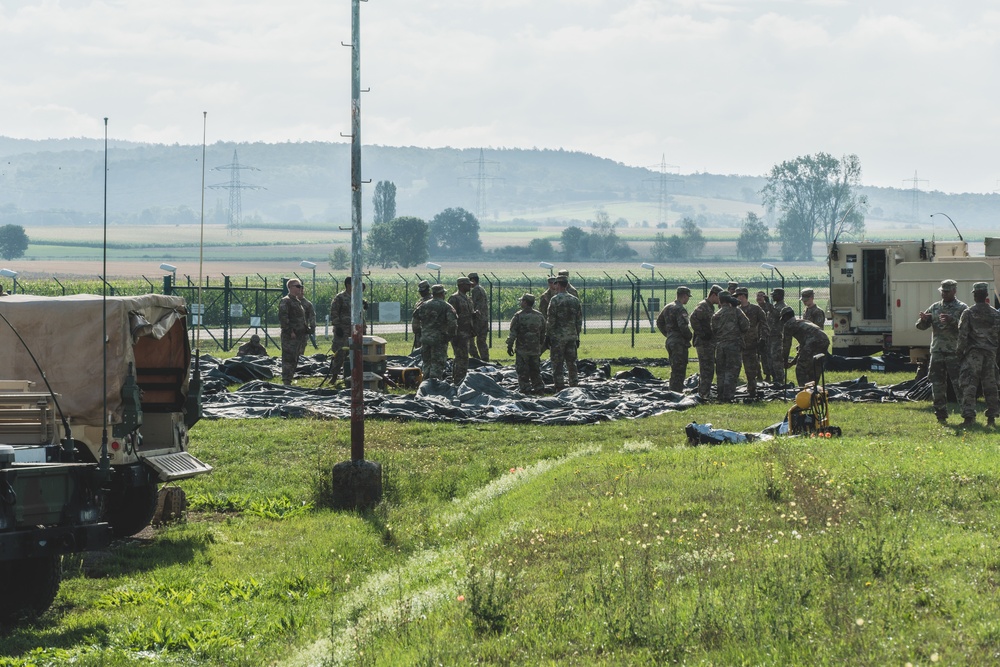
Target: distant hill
59	181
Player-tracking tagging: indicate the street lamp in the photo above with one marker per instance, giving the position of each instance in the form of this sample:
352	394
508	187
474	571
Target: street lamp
172	270
7	273
306	264
435	267
547	265
652	276
773	268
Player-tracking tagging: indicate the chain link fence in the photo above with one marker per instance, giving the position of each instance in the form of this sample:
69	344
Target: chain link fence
617	309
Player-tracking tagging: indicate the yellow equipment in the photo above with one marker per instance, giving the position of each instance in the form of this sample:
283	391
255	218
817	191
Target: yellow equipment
810	415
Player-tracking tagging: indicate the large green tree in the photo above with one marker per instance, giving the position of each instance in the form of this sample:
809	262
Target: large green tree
13	241
401	242
754	238
455	232
574	243
384	201
815	196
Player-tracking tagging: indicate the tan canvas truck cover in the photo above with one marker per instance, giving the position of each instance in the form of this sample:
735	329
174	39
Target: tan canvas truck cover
65	334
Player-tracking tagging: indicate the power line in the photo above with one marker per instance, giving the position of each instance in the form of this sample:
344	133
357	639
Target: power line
483	180
916	191
663	178
235	188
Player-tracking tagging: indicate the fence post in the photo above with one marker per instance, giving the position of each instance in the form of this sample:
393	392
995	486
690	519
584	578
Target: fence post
583	301
227	322
405	315
611	300
499	300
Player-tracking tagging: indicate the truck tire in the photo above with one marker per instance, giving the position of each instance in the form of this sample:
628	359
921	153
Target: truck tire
130	509
28	586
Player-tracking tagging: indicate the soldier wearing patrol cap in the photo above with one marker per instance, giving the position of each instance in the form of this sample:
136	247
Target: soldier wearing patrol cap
424	290
812	341
704	344
462	304
978	337
774	336
563	324
543	301
569	286
673	323
729	327
942	319
527	333
481	322
731	287
755	336
812	312
434	324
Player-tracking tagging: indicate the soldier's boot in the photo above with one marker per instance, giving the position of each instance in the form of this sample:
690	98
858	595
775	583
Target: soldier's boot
991	422
969	422
941	414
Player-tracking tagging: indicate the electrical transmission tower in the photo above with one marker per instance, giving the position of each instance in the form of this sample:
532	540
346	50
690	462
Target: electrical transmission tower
916	191
664	178
483	180
235	188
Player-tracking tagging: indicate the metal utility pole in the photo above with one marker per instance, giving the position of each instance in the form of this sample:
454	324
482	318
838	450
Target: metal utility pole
235	188
663	179
357	484
916	191
482	183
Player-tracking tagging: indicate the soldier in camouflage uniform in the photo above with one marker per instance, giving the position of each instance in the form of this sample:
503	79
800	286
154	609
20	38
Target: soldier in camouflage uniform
569	286
731	287
673	323
812	312
942	319
424	290
543	301
812	341
340	320
434	325
701	323
729	327
774	329
763	346
462	304
527	332
752	340
978	337
481	312
298	322
562	329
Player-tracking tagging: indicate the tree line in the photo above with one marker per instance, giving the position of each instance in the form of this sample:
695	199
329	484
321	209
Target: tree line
809	197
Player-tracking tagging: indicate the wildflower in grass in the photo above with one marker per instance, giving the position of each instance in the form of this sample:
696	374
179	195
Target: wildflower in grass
461	598
860	622
935	657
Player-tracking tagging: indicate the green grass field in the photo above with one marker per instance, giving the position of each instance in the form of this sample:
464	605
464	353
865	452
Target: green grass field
608	544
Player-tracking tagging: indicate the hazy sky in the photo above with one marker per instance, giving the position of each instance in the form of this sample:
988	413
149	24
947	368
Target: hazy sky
728	87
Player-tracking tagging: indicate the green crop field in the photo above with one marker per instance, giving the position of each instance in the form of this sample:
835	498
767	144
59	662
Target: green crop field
609	544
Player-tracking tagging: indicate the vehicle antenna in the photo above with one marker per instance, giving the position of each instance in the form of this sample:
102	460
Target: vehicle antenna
105	463
952	224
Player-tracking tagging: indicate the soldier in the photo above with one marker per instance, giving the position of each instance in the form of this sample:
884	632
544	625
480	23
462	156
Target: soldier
562	329
978	336
812	312
774	330
424	290
731	287
569	286
252	349
340	320
729	327
543	302
942	319
462	304
701	323
527	332
298	322
764	345
673	323
812	341
435	323
756	335
481	313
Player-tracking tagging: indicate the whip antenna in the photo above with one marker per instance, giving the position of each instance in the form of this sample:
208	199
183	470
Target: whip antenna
105	463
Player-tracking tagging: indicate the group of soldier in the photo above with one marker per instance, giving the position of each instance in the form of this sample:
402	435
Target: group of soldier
756	337
463	320
964	341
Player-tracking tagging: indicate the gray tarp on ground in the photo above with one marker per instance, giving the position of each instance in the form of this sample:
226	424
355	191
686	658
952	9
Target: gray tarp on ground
488	394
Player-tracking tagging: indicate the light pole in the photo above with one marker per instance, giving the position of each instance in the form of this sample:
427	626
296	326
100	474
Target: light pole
547	265
435	267
652	277
306	264
773	268
7	273
172	270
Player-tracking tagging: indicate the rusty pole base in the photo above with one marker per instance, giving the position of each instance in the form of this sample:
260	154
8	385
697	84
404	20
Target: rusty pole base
357	485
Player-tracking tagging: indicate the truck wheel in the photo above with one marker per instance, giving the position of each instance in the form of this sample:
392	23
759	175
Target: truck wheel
130	509
28	586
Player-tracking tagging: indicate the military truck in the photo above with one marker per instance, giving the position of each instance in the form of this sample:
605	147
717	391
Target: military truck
150	398
877	290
